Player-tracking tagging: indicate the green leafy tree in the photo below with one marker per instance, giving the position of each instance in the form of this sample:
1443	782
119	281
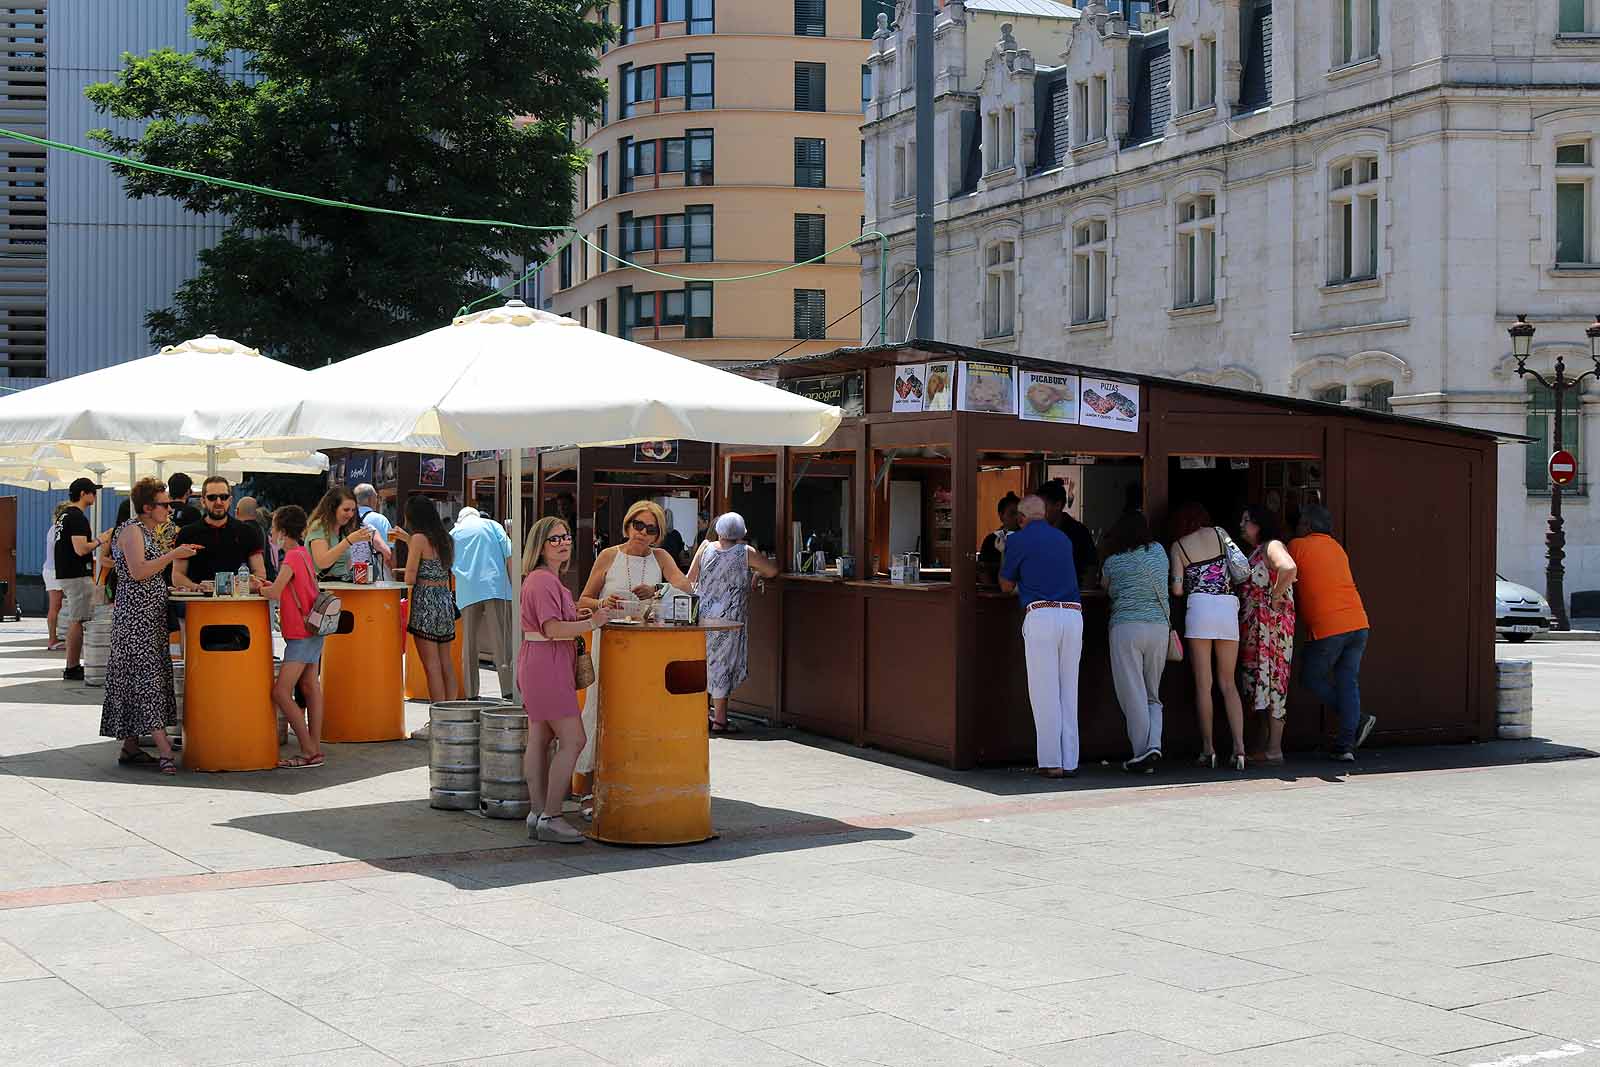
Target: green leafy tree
461	108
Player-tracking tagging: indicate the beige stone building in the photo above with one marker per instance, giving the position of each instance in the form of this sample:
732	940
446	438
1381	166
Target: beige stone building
730	145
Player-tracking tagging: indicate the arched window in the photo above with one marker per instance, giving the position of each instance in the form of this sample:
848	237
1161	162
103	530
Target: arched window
1353	190
1000	289
1091	250
1196	251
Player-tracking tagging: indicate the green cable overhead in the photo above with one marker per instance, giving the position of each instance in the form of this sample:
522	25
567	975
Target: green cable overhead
570	231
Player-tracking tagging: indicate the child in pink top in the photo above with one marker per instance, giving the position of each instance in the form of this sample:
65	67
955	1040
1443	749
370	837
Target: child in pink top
295	589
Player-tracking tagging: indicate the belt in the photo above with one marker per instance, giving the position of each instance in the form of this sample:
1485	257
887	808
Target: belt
1062	604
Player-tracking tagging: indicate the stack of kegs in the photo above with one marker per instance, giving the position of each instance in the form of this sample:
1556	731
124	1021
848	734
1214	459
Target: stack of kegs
502	739
1514	707
97	646
175	727
453	753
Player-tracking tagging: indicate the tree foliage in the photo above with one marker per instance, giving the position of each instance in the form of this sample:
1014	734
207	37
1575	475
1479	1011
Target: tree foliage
459	108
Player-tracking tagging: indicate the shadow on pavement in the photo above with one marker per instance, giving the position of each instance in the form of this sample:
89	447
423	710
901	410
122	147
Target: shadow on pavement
96	761
1178	770
410	836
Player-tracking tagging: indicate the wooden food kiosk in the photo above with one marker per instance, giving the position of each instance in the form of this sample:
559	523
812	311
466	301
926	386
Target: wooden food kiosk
934	668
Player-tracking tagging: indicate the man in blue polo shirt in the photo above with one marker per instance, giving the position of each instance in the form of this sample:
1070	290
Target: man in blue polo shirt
485	571
1039	566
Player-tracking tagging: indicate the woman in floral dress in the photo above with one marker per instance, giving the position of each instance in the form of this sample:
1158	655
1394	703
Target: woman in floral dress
721	572
139	695
1266	624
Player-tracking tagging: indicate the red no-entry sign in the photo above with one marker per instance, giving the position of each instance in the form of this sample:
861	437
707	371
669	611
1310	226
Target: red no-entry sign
1563	467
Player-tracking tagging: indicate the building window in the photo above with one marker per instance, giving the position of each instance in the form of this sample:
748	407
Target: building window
810	87
605	175
702	82
1097	109
602	317
1195	76
1184	78
1353	220
602	240
638	88
1207	83
1377	397
1574	188
636	15
1089	262
583	316
810	314
1197	251
902	173
1574	17
702	16
902	298
866	87
811	162
697	218
701	151
810	237
1329	394
565	261
1000	289
1255	30
698	321
1356	33
810	18
1541	427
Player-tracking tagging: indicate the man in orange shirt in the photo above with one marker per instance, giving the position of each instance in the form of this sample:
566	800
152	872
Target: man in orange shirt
1330	606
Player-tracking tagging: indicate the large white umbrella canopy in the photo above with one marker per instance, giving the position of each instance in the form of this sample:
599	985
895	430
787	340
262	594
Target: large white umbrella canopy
145	406
514	377
55	466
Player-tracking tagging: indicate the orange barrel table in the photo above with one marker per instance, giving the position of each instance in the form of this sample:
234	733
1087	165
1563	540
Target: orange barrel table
417	678
362	665
229	723
653	760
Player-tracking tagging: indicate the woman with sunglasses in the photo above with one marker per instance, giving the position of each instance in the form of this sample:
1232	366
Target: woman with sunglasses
627	572
550	622
139	694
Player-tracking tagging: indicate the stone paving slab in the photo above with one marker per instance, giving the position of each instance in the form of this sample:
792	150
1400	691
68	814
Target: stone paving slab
1432	906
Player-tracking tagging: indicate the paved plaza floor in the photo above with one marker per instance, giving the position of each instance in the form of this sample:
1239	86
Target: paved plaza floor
1424	906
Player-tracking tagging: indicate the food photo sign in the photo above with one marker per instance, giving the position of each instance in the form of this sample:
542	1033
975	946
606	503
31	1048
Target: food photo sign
910	386
1049	397
990	388
939	385
1108	404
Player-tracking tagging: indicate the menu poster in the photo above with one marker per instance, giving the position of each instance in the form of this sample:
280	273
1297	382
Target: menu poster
655	452
845	391
388	469
910	386
939	384
1049	397
989	388
430	472
1109	404
358	469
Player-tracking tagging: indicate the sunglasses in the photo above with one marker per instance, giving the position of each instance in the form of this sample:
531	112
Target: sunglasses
162	504
558	539
214	497
645	528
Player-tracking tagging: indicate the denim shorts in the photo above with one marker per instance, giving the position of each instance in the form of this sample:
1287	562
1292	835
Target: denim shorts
302	650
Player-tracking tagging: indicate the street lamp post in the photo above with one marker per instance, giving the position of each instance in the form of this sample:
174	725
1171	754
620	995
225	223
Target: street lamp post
1556	539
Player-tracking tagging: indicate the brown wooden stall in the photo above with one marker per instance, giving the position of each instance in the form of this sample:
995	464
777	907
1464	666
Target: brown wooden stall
935	669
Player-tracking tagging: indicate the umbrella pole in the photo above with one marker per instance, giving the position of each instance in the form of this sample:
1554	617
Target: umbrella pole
133	469
515	627
99	471
211	461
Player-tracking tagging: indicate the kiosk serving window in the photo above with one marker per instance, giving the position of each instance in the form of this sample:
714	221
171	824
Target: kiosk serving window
750	487
912	510
821	509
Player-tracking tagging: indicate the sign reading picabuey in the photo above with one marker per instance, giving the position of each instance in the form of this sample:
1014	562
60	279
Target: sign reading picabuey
1563	467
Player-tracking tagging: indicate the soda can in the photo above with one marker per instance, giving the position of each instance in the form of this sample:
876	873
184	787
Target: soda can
361	572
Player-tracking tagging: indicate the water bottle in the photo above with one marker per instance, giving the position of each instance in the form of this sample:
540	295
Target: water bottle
241	581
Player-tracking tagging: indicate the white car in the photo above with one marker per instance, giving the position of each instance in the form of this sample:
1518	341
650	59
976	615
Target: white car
1519	612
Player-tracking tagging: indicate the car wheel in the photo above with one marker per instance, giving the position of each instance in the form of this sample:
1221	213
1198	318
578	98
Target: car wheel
1517	639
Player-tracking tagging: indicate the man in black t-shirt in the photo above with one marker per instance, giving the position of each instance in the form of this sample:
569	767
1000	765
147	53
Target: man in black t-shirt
225	543
75	545
1084	556
180	487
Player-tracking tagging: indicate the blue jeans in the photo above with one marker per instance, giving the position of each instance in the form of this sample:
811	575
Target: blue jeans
1331	669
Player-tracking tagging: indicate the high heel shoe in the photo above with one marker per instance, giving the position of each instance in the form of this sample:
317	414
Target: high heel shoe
1238	761
1207	759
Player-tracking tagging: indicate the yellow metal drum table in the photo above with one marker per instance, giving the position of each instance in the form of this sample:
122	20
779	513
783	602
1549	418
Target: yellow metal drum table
417	678
229	723
362	665
653	762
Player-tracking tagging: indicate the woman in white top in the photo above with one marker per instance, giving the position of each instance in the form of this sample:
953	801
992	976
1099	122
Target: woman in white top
629	571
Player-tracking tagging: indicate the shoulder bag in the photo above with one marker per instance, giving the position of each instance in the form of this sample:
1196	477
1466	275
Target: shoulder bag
1238	565
322	616
582	662
1174	642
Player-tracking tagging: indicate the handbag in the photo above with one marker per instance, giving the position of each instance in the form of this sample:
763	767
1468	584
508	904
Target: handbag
582	665
1174	642
1238	566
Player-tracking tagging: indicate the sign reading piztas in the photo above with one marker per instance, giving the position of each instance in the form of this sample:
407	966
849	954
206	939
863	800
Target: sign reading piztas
1049	397
1108	404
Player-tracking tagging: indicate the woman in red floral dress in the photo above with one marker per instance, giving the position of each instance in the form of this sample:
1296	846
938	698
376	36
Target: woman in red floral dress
1266	624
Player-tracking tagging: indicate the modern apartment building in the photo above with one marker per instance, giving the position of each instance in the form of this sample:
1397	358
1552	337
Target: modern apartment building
729	145
1342	200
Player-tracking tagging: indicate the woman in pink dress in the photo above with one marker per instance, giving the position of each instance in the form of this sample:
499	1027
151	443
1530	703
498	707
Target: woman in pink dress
550	623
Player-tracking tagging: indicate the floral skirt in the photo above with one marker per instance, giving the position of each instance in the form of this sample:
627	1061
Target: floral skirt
1266	649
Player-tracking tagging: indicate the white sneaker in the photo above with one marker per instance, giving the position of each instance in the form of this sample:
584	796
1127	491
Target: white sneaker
557	830
422	733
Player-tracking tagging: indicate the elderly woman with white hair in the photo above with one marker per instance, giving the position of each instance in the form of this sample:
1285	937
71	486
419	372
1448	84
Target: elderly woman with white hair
721	573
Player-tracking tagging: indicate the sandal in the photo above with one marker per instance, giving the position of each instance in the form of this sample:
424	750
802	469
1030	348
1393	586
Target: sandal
168	765
724	727
295	763
138	757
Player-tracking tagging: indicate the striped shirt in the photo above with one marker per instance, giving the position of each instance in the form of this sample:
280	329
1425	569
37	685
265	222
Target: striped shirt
1137	582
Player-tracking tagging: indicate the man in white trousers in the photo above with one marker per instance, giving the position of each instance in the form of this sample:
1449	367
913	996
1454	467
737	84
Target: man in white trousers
1038	565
